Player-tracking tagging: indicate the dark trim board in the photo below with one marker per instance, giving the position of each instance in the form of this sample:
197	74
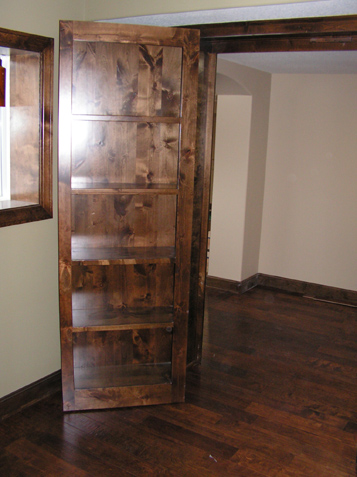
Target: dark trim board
207	79
298	287
342	24
297	34
28	395
232	285
309	290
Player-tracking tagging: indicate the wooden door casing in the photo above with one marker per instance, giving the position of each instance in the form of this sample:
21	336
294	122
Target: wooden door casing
297	34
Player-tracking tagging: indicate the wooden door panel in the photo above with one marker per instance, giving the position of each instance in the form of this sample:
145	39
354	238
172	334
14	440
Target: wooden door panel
126	79
113	152
123	221
122	348
105	359
116	287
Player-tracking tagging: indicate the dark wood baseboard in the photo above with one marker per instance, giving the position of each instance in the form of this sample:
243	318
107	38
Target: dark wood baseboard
309	290
232	285
298	287
28	395
223	284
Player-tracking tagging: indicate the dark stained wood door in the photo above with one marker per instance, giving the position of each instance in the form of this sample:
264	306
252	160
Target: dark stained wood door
127	126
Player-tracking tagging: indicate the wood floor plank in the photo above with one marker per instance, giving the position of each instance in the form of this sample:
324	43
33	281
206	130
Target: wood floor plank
318	429
162	448
176	433
304	467
44	462
11	466
301	384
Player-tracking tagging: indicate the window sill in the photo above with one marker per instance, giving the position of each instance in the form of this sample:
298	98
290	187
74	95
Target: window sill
13	204
19	213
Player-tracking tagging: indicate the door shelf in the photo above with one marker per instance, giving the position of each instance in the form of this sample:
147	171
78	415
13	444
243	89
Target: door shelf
123	319
123	189
123	255
122	375
125	118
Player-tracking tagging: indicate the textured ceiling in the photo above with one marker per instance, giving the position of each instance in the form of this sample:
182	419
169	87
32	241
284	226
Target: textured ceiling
315	8
312	62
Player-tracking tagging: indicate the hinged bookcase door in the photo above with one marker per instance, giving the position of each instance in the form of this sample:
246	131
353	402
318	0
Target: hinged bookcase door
127	122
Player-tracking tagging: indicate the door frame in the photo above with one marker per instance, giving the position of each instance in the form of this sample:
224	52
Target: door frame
338	33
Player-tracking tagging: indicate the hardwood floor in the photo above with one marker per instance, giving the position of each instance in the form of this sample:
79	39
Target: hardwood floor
276	395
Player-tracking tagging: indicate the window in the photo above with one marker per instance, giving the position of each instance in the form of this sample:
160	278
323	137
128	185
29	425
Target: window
26	128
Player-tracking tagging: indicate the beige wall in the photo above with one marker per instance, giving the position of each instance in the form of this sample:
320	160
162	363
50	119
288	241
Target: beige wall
306	229
257	84
310	205
229	186
97	10
29	337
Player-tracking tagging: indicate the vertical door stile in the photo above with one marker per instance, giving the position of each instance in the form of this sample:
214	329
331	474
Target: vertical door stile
64	218
185	202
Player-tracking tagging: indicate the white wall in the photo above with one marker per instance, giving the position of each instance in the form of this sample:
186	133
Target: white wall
29	337
310	204
230	186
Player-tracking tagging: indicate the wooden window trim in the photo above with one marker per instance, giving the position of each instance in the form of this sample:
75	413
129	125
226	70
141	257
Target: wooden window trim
45	47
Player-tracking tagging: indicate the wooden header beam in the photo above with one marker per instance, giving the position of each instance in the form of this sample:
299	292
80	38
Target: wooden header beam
298	34
273	43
